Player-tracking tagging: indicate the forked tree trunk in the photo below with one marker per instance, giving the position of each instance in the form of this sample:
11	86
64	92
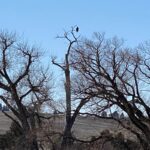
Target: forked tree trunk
29	139
67	135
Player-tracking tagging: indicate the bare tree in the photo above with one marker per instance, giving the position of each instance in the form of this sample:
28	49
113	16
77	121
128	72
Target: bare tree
23	85
65	67
118	76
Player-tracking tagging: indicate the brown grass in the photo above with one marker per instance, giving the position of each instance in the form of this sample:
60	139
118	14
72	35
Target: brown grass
84	128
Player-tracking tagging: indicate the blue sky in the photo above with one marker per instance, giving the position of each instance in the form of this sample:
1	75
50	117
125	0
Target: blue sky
39	21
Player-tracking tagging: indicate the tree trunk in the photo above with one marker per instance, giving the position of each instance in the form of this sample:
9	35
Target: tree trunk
67	136
34	144
29	139
146	143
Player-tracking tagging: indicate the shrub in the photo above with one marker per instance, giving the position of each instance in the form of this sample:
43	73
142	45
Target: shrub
10	138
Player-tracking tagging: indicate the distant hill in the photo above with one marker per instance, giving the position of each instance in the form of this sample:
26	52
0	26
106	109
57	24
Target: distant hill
84	127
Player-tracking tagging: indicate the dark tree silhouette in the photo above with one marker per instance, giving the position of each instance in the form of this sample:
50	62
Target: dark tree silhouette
66	68
23	84
116	75
0	107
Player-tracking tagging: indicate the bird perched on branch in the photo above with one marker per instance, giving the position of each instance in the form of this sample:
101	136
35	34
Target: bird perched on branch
77	29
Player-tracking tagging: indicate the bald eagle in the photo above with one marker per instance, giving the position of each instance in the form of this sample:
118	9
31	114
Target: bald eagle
77	29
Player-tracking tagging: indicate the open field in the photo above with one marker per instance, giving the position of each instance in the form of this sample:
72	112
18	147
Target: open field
5	123
84	127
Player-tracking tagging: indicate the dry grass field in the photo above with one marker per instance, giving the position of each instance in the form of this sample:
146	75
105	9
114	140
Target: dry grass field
5	123
84	127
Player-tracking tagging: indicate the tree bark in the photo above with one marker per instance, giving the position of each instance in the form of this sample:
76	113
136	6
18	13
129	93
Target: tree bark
67	135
